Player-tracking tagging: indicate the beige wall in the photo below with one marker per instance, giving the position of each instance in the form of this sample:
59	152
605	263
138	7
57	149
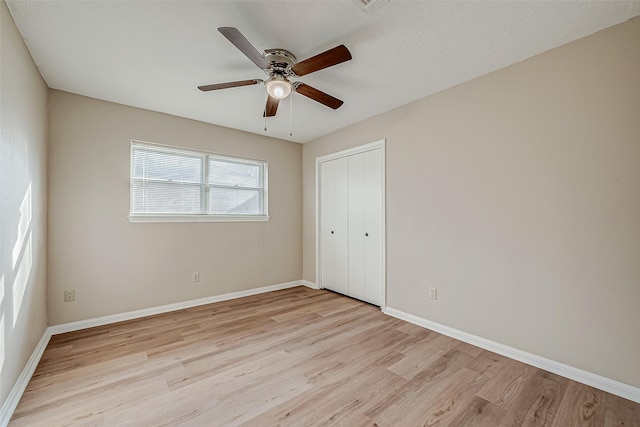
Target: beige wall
517	195
23	200
116	266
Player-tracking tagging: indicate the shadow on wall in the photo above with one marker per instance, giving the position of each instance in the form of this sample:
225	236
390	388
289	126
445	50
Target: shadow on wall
16	265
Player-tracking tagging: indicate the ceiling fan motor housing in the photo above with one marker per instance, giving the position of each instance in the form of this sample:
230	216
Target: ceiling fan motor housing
281	60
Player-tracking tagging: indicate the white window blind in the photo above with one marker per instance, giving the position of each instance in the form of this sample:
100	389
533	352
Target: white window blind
180	185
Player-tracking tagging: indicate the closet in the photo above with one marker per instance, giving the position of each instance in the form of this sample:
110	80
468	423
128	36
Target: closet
351	222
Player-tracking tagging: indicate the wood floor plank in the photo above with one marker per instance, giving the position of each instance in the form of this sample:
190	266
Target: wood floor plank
581	406
296	357
508	382
411	403
67	384
342	395
479	413
455	398
422	354
621	412
538	401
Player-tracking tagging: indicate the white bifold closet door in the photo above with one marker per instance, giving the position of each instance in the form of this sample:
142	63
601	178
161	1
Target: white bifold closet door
365	226
335	225
351	215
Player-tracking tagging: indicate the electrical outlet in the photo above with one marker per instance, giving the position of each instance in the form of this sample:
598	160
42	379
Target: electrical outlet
69	295
433	293
196	277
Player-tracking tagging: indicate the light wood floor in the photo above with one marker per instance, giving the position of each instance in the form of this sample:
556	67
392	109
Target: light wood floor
293	358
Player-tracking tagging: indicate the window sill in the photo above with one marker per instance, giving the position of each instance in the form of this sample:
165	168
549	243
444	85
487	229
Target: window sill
198	218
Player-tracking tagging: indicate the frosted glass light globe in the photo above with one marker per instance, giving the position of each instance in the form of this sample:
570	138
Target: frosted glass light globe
278	87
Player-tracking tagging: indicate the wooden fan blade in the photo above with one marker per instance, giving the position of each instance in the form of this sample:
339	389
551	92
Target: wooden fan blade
323	60
239	41
316	95
271	107
228	85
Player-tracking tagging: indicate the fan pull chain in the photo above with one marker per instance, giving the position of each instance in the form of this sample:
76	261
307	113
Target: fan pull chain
265	108
291	114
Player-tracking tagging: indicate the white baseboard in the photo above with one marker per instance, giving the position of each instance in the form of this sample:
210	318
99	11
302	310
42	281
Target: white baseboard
584	377
11	402
113	318
309	284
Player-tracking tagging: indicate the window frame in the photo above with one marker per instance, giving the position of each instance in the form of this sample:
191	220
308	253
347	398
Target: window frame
205	187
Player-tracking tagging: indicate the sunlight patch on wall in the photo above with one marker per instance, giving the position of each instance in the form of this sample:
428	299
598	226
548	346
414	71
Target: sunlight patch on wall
2	339
23	225
1	290
22	278
2	350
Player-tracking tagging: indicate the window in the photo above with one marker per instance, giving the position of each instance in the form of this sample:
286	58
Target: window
172	184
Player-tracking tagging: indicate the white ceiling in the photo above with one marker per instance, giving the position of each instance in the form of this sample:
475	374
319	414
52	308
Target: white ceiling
153	54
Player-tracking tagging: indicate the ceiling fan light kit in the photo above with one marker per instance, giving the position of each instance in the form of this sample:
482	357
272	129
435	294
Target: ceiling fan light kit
280	65
278	87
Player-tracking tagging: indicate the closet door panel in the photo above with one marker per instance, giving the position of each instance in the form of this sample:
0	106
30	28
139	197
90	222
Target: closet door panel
327	224
357	207
341	227
373	214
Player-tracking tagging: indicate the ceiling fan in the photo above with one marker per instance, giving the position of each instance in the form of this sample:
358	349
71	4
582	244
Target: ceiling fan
280	65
